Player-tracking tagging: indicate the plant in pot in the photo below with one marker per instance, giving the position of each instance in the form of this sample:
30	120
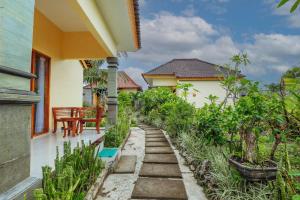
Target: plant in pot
253	111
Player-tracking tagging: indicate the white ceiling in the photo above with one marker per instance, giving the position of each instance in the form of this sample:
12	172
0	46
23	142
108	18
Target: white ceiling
115	13
61	14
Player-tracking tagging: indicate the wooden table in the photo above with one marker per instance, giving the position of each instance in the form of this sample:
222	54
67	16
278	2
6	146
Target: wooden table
70	124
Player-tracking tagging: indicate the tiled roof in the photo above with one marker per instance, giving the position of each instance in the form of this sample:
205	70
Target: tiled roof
189	68
124	82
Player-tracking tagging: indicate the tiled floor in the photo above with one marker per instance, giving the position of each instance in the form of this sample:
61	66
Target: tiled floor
43	148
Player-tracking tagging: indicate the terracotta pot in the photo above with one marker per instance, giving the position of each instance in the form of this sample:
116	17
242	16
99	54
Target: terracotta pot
254	173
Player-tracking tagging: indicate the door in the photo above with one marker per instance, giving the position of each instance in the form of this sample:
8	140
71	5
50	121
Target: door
40	111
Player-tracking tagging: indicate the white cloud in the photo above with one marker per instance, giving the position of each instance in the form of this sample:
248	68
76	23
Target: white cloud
167	36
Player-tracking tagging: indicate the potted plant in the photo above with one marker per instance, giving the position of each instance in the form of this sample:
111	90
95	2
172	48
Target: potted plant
253	111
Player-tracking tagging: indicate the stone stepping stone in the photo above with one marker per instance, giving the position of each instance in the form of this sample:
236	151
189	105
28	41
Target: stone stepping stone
160	158
156	139
159	150
152	129
160	170
126	165
150	134
155	136
155	133
159	188
157	144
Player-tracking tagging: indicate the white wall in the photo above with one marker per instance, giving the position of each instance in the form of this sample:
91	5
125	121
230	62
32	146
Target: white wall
205	88
66	84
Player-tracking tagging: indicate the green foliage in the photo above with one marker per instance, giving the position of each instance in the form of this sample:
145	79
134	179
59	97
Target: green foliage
180	117
294	6
154	98
116	134
185	88
292	73
209	123
73	175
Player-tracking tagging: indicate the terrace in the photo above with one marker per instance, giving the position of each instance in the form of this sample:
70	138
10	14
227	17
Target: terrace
43	148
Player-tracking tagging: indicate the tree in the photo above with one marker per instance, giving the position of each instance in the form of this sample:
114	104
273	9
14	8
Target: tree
294	6
95	76
292	73
232	80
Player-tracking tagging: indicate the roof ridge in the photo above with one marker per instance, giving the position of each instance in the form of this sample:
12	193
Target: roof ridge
130	79
158	66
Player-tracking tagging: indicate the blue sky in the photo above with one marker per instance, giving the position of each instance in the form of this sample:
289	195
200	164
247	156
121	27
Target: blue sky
214	30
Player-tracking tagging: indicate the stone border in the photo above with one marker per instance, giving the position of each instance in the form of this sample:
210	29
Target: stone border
95	188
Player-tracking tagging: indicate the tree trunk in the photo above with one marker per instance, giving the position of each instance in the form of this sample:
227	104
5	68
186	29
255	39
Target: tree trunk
275	145
250	139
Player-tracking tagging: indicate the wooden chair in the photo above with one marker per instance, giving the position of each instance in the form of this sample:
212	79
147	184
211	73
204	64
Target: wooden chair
91	114
60	113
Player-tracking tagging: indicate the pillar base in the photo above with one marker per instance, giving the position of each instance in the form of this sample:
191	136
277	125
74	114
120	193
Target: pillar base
24	187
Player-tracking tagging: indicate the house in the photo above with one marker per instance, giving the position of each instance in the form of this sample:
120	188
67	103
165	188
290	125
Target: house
124	84
42	44
205	78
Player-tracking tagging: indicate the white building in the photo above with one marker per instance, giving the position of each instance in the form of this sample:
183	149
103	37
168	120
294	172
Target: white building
205	79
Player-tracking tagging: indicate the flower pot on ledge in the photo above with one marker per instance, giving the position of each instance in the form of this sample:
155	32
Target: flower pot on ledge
258	173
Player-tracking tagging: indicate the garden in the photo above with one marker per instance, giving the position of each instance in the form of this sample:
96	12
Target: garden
246	147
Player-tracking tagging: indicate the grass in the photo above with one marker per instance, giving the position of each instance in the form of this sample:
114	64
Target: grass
228	183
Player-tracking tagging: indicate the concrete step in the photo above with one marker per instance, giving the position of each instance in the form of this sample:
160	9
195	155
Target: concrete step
160	158
159	188
160	170
156	139
151	129
157	144
154	131
126	165
159	150
155	136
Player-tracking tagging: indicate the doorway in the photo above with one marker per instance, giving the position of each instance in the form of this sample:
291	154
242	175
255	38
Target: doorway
40	66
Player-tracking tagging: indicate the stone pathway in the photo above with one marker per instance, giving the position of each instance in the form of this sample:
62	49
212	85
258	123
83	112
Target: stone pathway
160	172
159	179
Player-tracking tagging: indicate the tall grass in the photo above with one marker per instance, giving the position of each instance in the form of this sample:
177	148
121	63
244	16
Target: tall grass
228	183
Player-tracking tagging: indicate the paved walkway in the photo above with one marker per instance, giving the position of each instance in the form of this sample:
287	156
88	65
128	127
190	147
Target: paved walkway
160	172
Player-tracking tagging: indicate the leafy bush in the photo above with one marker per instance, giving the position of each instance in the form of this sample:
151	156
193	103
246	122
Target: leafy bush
116	134
209	123
73	175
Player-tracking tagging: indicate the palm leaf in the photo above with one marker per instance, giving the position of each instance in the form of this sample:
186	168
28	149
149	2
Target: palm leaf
281	3
294	7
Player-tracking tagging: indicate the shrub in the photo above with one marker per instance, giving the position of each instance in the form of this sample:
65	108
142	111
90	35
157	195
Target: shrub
73	175
180	117
209	123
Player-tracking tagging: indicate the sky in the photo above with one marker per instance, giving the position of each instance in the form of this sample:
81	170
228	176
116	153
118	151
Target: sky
214	31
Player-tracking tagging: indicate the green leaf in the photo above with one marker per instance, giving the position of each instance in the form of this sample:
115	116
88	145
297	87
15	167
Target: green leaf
294	7
281	3
296	197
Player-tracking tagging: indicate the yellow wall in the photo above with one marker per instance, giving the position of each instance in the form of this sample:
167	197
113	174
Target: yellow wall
81	45
51	41
47	37
66	81
164	82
